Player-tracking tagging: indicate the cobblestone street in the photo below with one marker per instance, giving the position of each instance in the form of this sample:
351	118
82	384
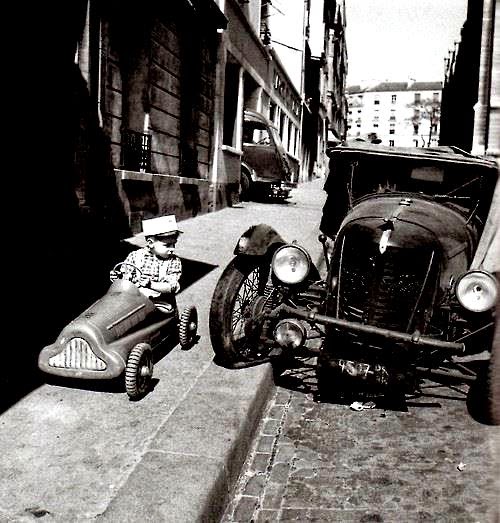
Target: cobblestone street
325	462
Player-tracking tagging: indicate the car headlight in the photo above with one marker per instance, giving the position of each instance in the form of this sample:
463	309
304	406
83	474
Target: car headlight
291	264
477	291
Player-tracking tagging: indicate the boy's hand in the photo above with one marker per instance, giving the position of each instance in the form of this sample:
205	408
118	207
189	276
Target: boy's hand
144	281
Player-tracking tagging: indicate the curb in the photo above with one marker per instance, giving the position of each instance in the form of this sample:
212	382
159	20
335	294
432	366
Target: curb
192	465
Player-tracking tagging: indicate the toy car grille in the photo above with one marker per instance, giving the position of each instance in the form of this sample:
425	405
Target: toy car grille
77	355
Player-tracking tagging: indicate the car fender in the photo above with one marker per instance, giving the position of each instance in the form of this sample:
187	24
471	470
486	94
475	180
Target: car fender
258	240
251	172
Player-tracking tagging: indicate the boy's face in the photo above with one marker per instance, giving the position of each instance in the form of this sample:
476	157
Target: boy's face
162	246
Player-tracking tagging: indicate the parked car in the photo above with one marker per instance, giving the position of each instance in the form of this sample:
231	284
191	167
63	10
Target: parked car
399	299
265	168
116	336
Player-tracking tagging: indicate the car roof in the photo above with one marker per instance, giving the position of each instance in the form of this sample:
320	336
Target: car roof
436	155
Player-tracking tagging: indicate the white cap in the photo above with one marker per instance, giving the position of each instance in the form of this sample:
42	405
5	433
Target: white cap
162	226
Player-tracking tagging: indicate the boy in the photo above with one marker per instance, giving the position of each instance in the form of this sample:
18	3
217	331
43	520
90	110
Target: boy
160	267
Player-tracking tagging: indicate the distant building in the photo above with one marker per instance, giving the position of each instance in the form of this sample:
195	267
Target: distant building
403	114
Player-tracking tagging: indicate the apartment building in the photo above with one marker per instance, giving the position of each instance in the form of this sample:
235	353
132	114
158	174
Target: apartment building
403	114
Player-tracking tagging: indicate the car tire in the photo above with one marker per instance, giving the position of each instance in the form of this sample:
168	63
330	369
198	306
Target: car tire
237	291
139	370
245	186
188	327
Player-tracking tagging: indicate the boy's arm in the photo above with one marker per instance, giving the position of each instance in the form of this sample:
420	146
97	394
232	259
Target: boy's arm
169	283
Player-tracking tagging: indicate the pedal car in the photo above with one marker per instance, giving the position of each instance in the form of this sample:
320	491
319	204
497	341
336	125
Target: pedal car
116	335
401	297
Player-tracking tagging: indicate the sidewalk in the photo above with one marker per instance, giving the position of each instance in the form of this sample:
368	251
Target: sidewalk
81	455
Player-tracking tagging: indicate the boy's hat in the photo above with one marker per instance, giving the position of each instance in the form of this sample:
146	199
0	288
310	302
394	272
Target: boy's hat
162	226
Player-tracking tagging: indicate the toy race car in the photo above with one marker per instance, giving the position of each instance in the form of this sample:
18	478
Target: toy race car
117	335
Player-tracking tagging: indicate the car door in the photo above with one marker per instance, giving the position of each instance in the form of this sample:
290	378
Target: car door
260	151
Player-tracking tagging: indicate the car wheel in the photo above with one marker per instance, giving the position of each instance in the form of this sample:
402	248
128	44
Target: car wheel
245	186
188	327
237	297
139	370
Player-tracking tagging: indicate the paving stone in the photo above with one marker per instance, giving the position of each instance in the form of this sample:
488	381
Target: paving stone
267	516
273	495
282	397
260	461
265	443
280	472
271	427
276	412
255	485
245	508
285	454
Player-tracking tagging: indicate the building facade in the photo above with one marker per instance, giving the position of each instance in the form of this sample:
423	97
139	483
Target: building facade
169	86
395	113
471	93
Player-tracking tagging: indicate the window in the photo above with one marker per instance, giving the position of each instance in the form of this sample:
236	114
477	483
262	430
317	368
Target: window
393	99
392	118
231	104
376	101
392	131
272	111
375	125
417	98
435	97
391	143
255	133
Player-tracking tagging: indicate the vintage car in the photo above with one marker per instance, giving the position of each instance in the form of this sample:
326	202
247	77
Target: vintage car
265	166
400	296
116	336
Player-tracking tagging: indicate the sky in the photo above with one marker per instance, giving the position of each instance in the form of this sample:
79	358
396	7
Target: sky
396	40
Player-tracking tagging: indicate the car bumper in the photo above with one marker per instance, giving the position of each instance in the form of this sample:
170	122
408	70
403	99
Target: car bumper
415	339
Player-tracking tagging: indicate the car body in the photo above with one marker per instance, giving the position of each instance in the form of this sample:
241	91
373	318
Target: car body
265	167
116	335
401	297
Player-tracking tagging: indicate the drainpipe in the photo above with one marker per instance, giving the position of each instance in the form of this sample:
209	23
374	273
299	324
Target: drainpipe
482	107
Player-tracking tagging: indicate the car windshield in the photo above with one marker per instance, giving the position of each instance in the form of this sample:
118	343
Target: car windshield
460	183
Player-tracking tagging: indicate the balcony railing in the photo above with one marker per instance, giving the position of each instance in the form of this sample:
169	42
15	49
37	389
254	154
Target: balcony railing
136	151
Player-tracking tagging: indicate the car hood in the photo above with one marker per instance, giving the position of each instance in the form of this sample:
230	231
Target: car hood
110	317
414	222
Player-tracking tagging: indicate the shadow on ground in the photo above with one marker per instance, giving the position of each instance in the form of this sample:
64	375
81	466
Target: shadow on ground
58	302
299	374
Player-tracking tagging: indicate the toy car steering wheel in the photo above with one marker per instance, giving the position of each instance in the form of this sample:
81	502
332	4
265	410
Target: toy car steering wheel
119	265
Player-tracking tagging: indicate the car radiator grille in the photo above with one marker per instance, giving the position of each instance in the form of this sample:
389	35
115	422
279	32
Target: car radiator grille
381	290
77	354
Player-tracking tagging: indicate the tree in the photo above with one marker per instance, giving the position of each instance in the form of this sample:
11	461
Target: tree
428	110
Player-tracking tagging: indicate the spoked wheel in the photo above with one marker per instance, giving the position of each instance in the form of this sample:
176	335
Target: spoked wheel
237	300
188	327
139	370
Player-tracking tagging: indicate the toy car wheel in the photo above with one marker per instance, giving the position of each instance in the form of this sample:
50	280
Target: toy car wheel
188	327
139	370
